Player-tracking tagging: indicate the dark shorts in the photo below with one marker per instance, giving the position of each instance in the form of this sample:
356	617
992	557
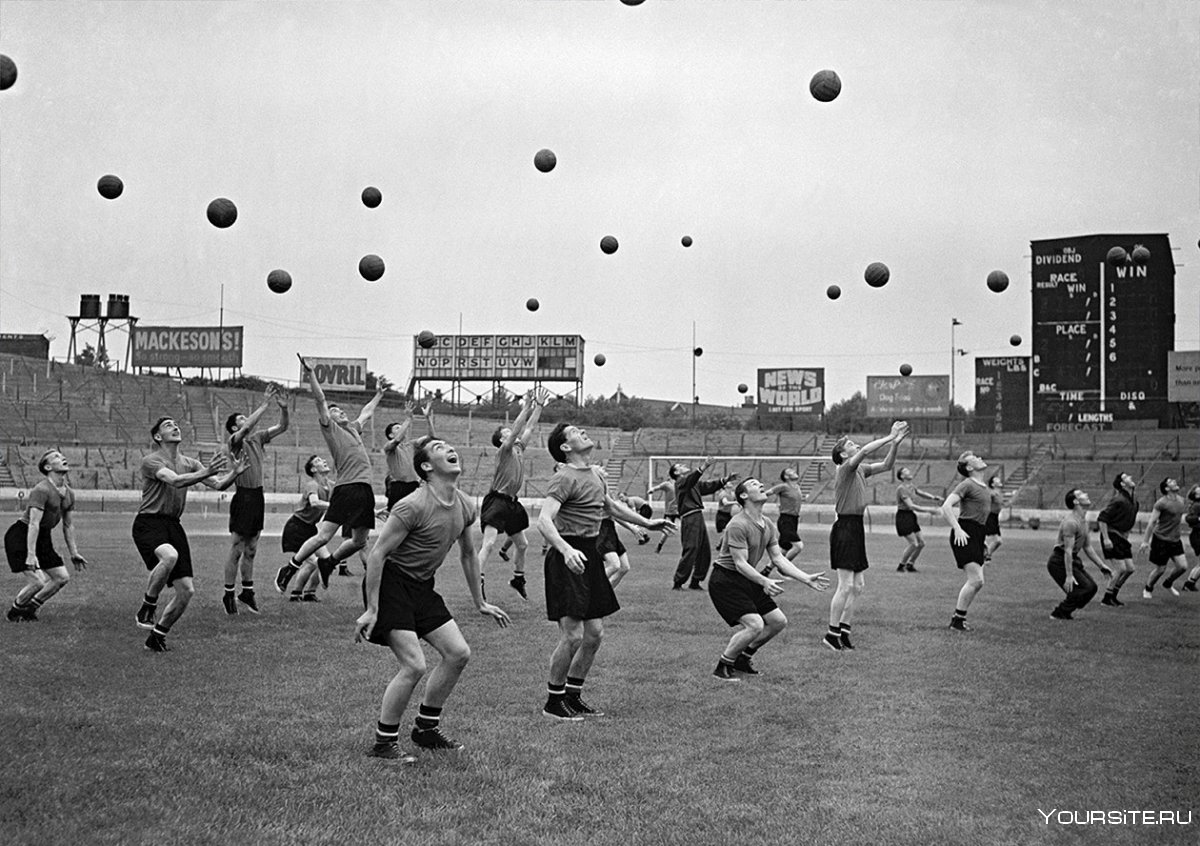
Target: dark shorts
974	551
734	596
991	528
722	520
646	510
789	532
16	547
1194	538
352	506
151	531
608	540
584	596
397	490
246	511
408	605
1119	548
848	544
1162	551
295	533
906	522
504	513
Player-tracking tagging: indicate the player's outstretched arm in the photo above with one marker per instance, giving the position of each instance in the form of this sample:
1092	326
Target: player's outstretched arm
239	435
816	581
285	420
184	480
220	483
317	392
469	557
625	514
369	408
899	431
771	587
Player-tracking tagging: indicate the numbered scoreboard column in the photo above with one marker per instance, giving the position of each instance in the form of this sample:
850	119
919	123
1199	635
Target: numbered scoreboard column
1002	393
1101	331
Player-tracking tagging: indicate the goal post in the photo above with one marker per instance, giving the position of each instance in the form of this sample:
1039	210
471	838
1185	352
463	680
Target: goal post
765	468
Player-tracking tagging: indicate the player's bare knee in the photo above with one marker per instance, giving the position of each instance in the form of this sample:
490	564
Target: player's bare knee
412	668
458	657
60	580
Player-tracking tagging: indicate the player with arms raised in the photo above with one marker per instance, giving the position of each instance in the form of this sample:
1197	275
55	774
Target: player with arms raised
847	538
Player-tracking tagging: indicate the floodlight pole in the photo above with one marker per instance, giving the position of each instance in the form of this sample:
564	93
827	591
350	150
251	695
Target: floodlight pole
954	321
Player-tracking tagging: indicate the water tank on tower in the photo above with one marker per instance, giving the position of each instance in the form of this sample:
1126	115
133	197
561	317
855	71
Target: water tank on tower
89	306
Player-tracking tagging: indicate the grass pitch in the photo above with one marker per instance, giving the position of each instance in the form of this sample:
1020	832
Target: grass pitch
254	728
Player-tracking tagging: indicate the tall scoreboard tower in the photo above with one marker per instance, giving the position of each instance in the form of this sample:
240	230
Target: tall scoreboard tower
1101	332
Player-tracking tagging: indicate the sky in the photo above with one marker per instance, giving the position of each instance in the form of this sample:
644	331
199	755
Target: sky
963	131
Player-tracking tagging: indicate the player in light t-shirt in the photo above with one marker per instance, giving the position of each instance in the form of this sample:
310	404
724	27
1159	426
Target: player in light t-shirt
739	587
352	503
157	533
247	508
1065	566
578	592
28	543
501	510
1164	538
847	539
402	607
968	529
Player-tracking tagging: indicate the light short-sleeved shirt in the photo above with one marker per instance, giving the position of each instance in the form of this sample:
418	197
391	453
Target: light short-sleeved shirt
1072	535
743	533
997	503
975	501
400	462
351	461
157	496
905	491
850	490
790	498
580	493
51	501
253	446
433	527
510	469
1170	511
307	510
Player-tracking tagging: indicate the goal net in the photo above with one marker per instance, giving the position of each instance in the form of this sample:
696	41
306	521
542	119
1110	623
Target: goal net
814	470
